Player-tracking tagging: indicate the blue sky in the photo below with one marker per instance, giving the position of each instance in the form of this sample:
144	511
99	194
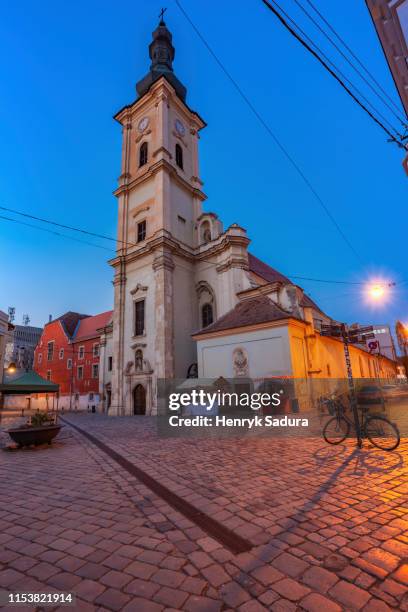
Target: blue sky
67	68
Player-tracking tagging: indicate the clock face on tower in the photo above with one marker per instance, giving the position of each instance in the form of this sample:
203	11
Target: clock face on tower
180	129
143	123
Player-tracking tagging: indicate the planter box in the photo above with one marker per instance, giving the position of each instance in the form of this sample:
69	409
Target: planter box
27	436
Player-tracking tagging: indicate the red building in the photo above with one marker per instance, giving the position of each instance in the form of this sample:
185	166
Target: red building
68	354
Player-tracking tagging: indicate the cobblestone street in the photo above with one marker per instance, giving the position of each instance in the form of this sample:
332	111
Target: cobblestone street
327	526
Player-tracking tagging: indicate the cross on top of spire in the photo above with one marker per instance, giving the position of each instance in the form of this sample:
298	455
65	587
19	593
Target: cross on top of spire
161	15
161	53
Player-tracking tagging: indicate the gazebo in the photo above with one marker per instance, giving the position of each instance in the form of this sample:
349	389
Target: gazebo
27	383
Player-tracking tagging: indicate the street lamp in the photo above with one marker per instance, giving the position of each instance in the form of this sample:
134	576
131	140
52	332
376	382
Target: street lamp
378	292
12	368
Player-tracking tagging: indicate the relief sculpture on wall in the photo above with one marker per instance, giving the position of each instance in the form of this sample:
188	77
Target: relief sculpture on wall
240	362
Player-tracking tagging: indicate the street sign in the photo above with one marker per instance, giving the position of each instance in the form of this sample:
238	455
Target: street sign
332	333
331	330
360	330
356	340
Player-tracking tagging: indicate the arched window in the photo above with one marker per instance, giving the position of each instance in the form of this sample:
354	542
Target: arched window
179	156
207	315
205	232
143	154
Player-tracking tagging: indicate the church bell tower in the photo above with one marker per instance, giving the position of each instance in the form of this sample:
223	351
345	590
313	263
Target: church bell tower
159	203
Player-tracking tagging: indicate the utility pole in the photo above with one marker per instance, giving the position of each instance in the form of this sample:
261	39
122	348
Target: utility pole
353	399
356	335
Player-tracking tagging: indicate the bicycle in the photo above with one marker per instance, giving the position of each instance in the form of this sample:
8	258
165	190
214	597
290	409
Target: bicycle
376	428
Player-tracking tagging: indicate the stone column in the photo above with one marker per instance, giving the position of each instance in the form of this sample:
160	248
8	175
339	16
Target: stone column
117	405
163	267
102	371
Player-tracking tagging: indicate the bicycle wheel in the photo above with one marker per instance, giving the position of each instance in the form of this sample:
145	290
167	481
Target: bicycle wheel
336	430
382	433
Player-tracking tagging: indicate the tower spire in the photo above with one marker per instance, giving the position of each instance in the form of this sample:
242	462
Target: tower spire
161	22
161	52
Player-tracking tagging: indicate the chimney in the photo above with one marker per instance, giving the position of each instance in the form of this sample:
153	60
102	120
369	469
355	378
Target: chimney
49	318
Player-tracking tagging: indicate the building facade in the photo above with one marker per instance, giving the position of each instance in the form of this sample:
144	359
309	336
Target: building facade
68	353
390	18
172	258
6	330
176	270
106	367
383	337
262	338
21	346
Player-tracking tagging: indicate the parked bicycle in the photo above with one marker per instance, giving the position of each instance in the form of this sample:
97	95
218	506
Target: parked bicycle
376	428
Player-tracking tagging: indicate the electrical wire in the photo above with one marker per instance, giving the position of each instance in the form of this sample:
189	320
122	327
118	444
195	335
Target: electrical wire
131	244
327	67
360	63
361	75
43	229
334	66
321	280
271	133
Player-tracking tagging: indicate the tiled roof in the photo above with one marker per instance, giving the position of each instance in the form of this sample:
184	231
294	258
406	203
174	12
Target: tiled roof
262	269
307	302
88	327
69	321
259	309
271	275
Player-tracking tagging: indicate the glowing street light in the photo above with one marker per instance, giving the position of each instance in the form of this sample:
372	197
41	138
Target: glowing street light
11	368
376	292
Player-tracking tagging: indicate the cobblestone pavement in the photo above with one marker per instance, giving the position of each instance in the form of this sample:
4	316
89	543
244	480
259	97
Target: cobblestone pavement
329	525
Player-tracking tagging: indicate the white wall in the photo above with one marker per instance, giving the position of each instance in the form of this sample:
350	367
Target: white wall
83	403
185	316
267	349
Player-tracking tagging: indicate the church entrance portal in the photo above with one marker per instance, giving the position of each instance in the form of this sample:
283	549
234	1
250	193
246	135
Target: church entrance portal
139	400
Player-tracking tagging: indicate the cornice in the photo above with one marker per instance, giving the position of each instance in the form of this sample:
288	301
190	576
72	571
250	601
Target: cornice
152	170
226	240
233	262
261	290
246	328
166	240
160	89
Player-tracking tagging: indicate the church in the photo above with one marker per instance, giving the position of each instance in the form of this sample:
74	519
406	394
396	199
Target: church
189	298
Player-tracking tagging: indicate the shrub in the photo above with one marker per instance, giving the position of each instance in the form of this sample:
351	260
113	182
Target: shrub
40	418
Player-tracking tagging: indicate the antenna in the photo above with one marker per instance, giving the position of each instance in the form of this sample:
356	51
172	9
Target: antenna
26	319
11	313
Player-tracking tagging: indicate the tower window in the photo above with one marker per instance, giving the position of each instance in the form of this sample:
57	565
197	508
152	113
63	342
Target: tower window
141	231
205	231
207	315
143	154
139	318
179	156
